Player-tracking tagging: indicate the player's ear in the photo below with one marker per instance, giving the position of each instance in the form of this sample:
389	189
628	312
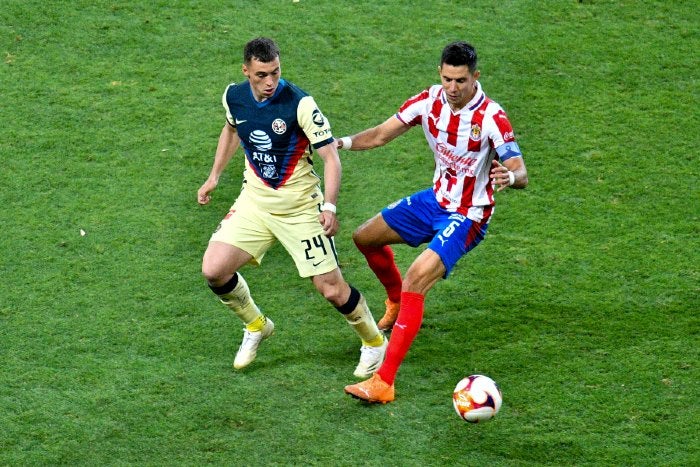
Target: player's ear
244	69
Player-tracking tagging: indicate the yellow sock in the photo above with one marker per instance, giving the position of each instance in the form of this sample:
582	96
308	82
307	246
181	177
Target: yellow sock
257	324
376	342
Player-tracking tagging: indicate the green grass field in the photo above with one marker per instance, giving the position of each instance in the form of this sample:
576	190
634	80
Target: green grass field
582	302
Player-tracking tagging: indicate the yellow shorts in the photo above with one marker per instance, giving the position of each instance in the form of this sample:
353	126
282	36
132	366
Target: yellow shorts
300	233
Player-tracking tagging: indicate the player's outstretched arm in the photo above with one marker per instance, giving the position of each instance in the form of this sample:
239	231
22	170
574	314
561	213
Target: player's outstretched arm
374	137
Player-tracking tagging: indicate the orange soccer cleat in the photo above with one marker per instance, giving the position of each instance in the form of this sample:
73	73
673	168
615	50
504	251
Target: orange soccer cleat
373	390
389	318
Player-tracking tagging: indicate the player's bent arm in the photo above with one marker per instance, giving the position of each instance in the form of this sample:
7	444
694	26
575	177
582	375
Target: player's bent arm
226	147
376	136
517	166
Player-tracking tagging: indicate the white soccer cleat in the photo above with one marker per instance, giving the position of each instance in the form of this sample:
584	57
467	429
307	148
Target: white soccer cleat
370	359
251	341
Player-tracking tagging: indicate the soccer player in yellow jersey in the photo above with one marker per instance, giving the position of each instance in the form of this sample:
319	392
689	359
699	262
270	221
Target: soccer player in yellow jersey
279	126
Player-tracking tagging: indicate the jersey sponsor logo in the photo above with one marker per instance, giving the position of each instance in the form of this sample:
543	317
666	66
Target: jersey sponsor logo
265	161
318	118
279	126
475	133
504	126
264	157
261	140
460	165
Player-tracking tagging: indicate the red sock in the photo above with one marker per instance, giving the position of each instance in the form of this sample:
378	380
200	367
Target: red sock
381	262
402	335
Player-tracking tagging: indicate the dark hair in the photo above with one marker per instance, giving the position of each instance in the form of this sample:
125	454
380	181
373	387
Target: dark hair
262	49
459	53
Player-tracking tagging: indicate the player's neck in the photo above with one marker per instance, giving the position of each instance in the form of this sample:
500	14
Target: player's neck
456	107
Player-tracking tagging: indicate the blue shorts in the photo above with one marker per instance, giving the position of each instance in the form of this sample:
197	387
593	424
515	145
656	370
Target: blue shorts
419	219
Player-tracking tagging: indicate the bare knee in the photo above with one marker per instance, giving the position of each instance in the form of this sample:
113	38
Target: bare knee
424	273
221	261
411	282
214	274
332	287
332	294
358	238
212	277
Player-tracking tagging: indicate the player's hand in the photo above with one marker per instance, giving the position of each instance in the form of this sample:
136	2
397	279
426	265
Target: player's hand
499	175
204	192
330	223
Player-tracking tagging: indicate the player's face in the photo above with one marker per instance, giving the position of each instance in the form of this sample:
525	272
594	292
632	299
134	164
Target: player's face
459	84
263	76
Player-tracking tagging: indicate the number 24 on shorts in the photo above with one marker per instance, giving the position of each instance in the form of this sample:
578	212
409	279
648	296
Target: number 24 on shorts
316	242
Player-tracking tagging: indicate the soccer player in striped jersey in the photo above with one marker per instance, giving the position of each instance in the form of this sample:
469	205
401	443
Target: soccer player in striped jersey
279	126
475	152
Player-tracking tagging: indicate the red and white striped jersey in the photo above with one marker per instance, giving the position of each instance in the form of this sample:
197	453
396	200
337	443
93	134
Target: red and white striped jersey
464	143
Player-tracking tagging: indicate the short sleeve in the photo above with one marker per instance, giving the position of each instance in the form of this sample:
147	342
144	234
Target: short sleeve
224	102
314	123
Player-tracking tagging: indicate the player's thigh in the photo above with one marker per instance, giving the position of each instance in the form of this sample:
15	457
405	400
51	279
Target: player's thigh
245	227
424	272
456	236
376	232
302	236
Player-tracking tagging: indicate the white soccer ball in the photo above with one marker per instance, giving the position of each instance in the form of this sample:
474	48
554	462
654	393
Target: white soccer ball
477	398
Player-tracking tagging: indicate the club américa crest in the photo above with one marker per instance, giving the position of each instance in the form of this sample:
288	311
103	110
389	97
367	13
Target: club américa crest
279	126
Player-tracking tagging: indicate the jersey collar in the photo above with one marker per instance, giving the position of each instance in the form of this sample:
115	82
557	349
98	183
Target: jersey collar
473	104
478	98
280	86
